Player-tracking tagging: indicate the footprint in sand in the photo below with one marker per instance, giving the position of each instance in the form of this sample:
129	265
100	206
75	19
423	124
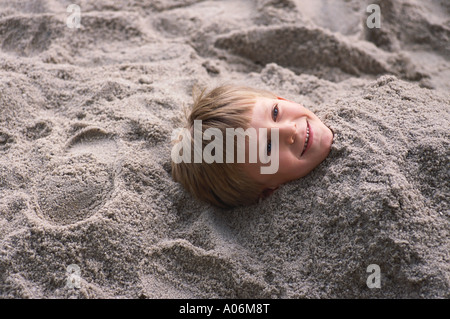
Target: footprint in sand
81	181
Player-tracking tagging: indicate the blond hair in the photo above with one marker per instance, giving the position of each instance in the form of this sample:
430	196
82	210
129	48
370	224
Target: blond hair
221	184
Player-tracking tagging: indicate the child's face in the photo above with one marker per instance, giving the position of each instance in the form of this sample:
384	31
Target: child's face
296	159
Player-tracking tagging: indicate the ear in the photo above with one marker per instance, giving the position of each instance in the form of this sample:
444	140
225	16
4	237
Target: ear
267	192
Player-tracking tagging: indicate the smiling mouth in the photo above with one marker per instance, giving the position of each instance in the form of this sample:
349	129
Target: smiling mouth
305	146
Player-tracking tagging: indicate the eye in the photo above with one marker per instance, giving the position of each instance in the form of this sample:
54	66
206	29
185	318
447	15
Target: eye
269	147
275	112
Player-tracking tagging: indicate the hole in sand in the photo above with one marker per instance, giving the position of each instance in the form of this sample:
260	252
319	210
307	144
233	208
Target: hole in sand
95	141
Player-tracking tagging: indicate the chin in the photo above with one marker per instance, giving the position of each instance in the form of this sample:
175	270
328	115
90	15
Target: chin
326	142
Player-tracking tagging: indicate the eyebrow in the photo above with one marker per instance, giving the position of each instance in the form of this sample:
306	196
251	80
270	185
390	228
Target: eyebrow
267	112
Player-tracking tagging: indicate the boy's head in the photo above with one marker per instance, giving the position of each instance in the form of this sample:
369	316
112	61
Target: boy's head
285	133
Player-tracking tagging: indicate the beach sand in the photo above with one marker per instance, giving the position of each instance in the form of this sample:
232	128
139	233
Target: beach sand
88	208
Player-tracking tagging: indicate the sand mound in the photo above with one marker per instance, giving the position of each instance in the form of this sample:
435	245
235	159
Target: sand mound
86	118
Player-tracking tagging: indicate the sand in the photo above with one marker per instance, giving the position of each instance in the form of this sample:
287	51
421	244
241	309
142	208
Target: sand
86	116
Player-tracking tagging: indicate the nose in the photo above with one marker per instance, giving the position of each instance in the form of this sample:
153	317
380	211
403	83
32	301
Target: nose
288	132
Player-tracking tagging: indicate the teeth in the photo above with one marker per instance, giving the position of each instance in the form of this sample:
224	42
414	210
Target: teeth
306	140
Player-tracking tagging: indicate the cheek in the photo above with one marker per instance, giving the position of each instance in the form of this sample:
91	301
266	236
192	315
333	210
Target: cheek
311	115
290	167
